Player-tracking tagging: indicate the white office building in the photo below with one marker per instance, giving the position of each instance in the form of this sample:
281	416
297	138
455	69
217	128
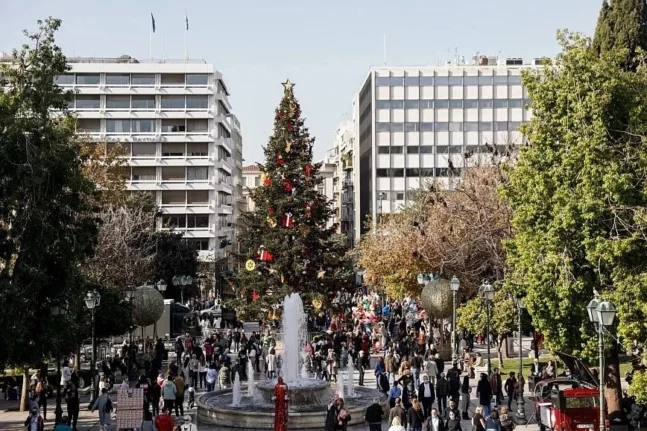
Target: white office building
415	124
182	143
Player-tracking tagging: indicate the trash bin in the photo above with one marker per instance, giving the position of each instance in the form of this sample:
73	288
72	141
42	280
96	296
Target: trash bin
532	382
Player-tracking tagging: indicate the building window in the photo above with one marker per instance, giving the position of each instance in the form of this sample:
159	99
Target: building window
197	149
399	196
515	103
197	126
442	127
455	127
455	81
142	102
173	126
486	103
485	126
197	197
455	149
383	150
411	127
514	80
382	127
397	104
144	174
397	150
411	104
173	174
412	81
413	150
426	104
501	126
143	126
426	127
173	197
257	181
441	104
174	221
413	172
198	244
173	102
197	79
514	126
144	149
117	79
88	125
500	80
397	127
398	173
172	149
470	80
426	81
441	80
471	126
442	149
87	79
381	81
64	80
197	102
88	101
195	173
396	81
197	221
172	79
500	103
143	80
382	104
470	104
117	102
485	80
456	104
382	173
117	126
427	149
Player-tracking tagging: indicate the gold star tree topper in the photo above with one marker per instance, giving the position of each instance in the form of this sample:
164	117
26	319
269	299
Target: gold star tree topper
287	86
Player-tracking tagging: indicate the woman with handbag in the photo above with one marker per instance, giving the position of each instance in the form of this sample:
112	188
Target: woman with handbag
466	390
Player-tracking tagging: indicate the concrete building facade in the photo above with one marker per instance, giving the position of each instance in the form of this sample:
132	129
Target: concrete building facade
175	127
416	124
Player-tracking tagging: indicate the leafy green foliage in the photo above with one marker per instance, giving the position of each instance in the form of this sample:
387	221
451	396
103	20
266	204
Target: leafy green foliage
578	196
622	25
472	317
46	224
638	387
307	256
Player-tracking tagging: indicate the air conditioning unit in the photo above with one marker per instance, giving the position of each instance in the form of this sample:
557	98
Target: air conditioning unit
514	62
538	62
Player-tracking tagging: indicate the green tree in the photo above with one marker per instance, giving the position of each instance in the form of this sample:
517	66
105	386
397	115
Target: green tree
289	224
579	200
174	256
621	25
46	224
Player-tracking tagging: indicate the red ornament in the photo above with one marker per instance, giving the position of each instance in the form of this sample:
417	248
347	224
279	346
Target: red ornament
267	181
279	160
308	170
287	186
255	295
289	127
288	220
264	255
271	211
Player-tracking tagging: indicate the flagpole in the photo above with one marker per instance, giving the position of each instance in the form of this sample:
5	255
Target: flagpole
150	32
163	54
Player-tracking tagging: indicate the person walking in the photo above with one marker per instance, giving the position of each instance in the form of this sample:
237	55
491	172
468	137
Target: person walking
426	395
212	376
103	404
466	390
510	388
374	415
179	395
73	404
164	421
331	415
497	386
34	421
435	422
415	417
396	425
359	365
484	393
442	391
169	392
398	412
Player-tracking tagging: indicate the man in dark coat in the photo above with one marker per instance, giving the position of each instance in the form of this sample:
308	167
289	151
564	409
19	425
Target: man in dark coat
373	415
426	395
331	415
484	393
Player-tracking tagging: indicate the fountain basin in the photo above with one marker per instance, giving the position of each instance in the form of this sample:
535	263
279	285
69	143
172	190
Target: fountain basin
304	393
214	408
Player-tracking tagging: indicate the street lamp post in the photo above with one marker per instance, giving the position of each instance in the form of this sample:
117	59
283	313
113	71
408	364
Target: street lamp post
487	294
182	281
58	309
130	294
601	314
521	403
454	285
92	301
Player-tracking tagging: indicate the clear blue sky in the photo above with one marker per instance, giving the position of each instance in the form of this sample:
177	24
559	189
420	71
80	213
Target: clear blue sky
325	46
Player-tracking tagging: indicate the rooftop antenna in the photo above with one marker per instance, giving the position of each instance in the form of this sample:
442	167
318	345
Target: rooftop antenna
456	55
385	49
476	57
497	55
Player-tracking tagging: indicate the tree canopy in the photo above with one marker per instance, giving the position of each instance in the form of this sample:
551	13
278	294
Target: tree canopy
622	24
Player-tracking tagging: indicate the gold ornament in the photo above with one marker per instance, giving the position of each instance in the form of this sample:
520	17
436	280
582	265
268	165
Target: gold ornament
317	303
282	278
321	273
250	265
304	229
270	222
288	146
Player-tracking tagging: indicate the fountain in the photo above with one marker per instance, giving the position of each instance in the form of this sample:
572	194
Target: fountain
237	395
251	386
308	398
350	370
341	384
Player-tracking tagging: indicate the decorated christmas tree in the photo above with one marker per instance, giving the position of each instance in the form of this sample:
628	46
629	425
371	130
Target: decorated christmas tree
287	244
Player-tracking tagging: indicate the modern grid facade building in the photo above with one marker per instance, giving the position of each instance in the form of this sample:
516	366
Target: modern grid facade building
415	124
173	123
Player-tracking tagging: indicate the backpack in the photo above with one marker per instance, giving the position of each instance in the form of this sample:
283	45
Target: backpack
108	407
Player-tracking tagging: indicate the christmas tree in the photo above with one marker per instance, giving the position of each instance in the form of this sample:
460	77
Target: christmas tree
286	242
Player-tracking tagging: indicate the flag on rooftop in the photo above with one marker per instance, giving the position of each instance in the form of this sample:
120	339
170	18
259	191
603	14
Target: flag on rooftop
153	22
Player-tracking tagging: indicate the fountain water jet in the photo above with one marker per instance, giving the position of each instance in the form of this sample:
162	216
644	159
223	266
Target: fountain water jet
251	385
340	384
350	370
237	394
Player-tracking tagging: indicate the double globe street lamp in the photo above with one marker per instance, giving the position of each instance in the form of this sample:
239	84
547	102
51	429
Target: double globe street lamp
182	281
521	403
487	295
601	314
92	301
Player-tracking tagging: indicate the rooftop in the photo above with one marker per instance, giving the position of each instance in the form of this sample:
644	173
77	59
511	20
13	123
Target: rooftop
251	168
121	59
